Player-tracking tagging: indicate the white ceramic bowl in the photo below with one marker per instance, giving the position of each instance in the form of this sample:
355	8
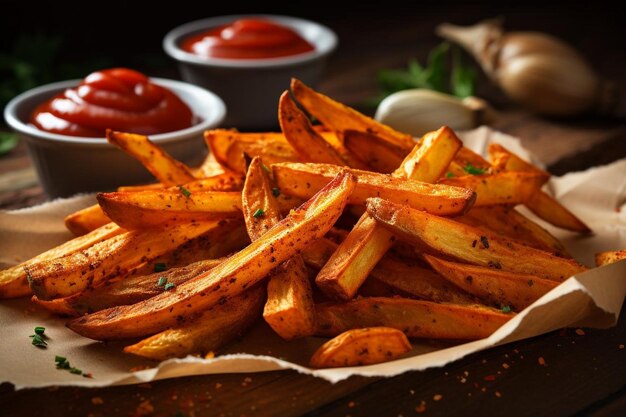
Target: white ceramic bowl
251	87
67	165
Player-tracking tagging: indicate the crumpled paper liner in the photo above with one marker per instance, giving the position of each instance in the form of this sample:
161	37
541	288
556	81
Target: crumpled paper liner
590	299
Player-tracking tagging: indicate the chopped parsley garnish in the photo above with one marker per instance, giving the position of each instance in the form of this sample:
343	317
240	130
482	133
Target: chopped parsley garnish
162	281
472	170
276	191
450	175
506	309
63	363
265	168
258	213
184	191
160	267
39	341
39	338
169	286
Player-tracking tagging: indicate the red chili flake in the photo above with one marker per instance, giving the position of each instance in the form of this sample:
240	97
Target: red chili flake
218	385
421	407
437	397
505	365
498	394
580	332
541	361
351	404
97	400
490	378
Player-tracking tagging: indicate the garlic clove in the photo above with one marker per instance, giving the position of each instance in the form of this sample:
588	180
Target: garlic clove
551	85
418	111
537	70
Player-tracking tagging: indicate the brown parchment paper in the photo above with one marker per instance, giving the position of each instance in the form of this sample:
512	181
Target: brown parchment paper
592	299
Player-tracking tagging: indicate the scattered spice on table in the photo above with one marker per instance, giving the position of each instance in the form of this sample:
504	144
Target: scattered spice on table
421	407
541	361
580	332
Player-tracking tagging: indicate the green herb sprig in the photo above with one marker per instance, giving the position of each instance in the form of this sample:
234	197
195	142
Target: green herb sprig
459	81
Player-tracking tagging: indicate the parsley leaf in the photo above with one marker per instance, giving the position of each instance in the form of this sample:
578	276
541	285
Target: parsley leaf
472	170
258	213
184	191
8	141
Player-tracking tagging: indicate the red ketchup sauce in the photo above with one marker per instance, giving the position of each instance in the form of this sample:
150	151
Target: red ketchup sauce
247	39
117	98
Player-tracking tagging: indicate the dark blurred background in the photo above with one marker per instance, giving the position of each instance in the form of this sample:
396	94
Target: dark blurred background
51	41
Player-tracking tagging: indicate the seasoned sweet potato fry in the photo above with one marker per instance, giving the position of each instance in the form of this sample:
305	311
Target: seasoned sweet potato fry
308	144
158	208
229	279
416	318
417	281
304	180
540	203
493	286
166	169
90	218
228	147
375	152
468	243
98	263
14	282
207	332
509	222
500	188
340	118
86	220
605	258
366	244
358	347
129	290
289	309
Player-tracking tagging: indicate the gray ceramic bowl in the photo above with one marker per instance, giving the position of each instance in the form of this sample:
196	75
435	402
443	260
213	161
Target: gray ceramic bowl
67	165
251	87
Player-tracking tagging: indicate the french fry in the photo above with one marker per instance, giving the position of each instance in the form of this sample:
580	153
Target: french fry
340	118
540	203
75	272
90	218
229	279
500	188
469	244
416	318
496	287
129	290
359	347
308	144
228	147
86	220
605	258
367	243
166	169
417	281
304	180
509	222
220	241
380	155
289	309
14	282
207	332
148	209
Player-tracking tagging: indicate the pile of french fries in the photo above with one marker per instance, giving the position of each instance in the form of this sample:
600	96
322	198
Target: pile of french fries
348	230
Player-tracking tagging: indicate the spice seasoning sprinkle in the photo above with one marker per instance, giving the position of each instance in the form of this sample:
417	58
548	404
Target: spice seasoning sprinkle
541	361
580	332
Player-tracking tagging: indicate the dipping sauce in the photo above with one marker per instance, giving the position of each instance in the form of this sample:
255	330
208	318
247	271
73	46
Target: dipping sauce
117	98
247	39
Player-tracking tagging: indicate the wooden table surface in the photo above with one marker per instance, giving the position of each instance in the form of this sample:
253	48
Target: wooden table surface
568	372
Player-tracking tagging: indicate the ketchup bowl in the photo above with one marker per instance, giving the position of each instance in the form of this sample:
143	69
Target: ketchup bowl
250	83
67	165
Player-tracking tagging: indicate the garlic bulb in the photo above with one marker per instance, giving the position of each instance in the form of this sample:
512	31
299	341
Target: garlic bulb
418	111
537	70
